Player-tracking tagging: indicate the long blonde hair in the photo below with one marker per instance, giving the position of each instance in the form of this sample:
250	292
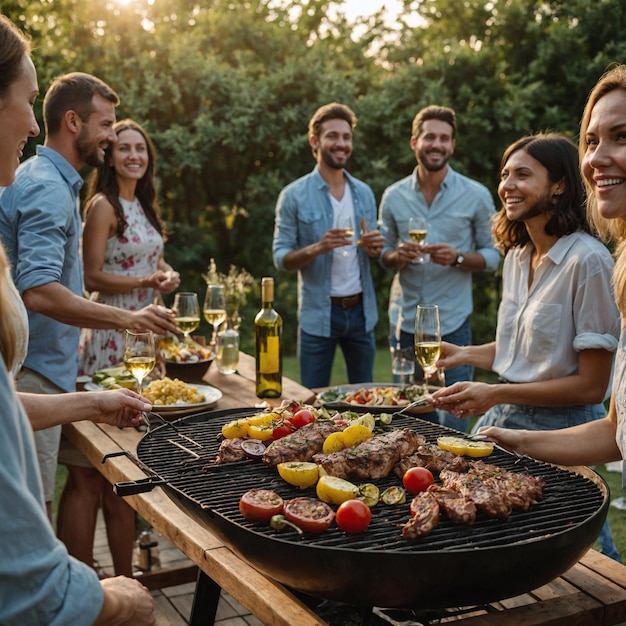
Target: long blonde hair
8	314
610	230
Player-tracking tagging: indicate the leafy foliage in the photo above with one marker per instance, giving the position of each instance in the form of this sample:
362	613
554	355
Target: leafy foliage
226	89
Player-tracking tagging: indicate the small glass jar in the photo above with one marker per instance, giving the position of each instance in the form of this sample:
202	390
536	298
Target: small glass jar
227	357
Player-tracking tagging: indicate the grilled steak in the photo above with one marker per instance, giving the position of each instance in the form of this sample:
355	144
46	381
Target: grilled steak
301	445
433	458
459	509
522	490
230	451
373	459
425	511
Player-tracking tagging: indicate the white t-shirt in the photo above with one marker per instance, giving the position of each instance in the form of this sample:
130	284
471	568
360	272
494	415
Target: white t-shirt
346	277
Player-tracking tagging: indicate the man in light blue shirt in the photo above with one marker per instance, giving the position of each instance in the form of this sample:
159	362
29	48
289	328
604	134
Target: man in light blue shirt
457	211
336	298
40	227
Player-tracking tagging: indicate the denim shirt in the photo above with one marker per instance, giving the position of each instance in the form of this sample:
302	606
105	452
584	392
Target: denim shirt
304	213
39	582
40	227
459	216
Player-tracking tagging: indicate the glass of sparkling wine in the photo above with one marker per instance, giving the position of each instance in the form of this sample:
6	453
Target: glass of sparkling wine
187	313
345	222
417	232
214	308
427	339
139	354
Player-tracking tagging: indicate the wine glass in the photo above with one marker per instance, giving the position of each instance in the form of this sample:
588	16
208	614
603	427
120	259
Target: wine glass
139	354
345	222
427	339
187	313
417	232
214	309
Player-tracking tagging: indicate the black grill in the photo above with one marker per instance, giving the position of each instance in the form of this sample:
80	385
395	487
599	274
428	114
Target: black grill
559	529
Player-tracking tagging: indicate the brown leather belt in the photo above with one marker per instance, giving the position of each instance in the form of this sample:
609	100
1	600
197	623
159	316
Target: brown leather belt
347	302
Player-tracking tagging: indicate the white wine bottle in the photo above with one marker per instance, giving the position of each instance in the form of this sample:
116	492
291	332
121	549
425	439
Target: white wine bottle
268	331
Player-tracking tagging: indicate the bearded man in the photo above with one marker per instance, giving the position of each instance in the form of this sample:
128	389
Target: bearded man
336	297
458	242
40	227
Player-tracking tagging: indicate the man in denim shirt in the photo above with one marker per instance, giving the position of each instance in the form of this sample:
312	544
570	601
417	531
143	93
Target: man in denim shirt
457	211
41	229
336	298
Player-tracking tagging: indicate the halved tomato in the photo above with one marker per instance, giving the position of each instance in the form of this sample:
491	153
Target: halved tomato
309	514
259	505
302	418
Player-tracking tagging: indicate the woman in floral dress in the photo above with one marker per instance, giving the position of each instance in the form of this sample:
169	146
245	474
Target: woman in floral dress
122	241
124	266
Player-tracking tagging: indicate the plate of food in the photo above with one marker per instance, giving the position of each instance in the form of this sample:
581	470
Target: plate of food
167	395
372	397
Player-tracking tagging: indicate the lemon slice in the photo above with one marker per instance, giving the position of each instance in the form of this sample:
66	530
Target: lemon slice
356	433
299	473
333	443
478	449
333	490
365	420
452	444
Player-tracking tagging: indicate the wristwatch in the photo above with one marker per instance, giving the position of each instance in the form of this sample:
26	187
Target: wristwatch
459	260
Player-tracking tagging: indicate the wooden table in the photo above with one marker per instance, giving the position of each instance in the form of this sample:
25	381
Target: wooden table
593	592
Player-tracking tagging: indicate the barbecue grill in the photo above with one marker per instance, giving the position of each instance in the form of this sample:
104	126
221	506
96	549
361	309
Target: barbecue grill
453	566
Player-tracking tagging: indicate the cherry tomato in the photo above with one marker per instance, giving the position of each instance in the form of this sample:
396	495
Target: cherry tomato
353	516
309	514
302	418
283	429
417	479
259	505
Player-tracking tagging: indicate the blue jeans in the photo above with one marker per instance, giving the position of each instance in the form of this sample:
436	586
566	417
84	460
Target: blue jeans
347	329
460	337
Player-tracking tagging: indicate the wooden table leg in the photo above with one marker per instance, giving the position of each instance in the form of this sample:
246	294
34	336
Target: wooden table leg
205	601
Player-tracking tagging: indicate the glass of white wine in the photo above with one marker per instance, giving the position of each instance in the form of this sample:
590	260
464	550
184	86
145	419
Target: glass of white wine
139	354
187	313
345	222
427	339
418	232
214	309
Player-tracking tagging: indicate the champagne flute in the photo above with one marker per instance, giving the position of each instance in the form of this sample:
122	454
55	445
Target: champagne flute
417	232
187	313
344	221
427	339
214	309
139	354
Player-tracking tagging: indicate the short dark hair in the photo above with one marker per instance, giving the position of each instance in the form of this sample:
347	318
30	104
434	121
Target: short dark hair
332	111
73	92
13	46
434	112
559	155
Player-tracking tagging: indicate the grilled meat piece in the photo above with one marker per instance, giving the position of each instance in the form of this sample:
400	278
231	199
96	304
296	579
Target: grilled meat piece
521	489
433	458
487	499
459	509
230	451
373	459
301	445
425	511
